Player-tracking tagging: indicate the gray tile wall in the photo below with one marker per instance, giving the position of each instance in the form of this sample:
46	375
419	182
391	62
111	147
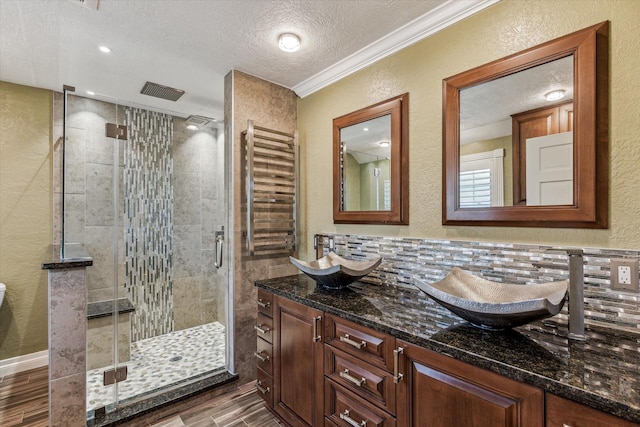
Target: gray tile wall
430	260
199	289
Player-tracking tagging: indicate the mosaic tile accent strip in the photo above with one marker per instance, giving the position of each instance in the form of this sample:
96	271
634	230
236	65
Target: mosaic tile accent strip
161	362
430	260
148	221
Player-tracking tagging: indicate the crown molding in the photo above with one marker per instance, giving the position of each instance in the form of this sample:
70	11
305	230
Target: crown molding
430	23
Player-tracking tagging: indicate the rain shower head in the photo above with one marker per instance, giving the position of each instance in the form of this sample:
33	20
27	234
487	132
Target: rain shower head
201	121
198	120
160	91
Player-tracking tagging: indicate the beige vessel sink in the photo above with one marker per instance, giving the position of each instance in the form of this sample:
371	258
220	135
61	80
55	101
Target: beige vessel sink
334	272
492	305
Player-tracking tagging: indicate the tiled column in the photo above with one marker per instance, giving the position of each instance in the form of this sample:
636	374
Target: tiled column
67	343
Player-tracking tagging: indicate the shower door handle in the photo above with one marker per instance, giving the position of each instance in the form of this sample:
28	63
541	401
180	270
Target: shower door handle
219	247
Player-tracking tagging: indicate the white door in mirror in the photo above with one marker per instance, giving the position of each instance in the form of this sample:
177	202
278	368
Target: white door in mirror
549	173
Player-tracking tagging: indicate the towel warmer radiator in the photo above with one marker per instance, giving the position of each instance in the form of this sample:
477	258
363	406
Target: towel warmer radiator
272	176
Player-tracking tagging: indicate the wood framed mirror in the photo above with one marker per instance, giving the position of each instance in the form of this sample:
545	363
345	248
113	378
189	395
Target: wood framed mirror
371	164
512	157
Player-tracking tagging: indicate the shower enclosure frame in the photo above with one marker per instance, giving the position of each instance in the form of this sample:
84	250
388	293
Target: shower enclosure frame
71	252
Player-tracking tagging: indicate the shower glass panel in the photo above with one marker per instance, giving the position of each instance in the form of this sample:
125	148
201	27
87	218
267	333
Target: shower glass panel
146	200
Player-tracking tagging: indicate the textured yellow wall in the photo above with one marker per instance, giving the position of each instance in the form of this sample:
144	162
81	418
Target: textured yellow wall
25	217
502	29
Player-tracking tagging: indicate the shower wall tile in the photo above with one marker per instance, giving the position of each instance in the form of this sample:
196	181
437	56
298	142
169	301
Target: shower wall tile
100	149
186	152
75	155
209	170
100	277
187	303
100	341
187	250
100	198
74	206
210	221
186	193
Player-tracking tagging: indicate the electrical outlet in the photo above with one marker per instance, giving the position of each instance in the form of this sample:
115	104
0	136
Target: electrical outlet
624	274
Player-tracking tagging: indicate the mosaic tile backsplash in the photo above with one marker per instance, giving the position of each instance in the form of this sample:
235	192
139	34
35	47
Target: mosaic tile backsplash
430	260
148	207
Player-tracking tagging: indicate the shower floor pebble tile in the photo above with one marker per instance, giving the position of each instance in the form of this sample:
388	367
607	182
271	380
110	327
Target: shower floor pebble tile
160	361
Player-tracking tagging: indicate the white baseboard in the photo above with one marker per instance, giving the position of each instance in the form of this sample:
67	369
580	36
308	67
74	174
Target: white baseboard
24	363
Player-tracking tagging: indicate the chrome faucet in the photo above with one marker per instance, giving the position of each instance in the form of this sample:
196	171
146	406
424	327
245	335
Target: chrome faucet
576	292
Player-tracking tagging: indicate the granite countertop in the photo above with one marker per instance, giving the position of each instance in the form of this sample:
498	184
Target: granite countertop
602	372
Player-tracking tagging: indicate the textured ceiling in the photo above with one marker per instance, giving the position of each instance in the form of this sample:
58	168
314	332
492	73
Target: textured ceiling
192	44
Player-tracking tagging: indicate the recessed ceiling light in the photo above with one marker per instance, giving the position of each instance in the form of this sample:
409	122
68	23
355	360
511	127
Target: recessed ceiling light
192	127
384	144
365	129
554	95
89	92
289	42
104	49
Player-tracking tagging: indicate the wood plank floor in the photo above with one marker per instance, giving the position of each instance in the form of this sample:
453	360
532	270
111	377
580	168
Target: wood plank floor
24	398
24	402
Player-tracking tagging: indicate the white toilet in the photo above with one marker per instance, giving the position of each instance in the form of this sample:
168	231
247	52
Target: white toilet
2	289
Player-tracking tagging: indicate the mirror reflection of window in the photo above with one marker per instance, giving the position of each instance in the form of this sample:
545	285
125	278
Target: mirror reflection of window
481	179
366	165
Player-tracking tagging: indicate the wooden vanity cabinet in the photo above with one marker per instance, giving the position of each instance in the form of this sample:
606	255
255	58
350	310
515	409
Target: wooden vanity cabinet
438	391
264	347
322	370
566	413
298	376
359	386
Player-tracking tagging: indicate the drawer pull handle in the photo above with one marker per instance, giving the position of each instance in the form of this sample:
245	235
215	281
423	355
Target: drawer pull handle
397	376
263	304
348	340
345	374
316	337
262	389
260	329
261	357
345	416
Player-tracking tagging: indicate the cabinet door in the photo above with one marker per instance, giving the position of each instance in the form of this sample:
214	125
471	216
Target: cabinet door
298	369
438	391
565	413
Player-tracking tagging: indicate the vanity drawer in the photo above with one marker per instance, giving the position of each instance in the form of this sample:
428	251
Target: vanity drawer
346	409
264	327
566	413
369	345
265	303
372	383
264	356
264	387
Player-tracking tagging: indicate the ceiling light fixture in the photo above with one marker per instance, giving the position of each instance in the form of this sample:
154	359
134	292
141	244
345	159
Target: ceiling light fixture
554	95
90	92
104	49
384	144
192	127
365	129
289	42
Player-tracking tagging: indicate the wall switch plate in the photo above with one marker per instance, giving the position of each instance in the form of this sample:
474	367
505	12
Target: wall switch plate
624	274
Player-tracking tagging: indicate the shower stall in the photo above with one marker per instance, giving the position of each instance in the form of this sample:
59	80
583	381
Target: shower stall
145	197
